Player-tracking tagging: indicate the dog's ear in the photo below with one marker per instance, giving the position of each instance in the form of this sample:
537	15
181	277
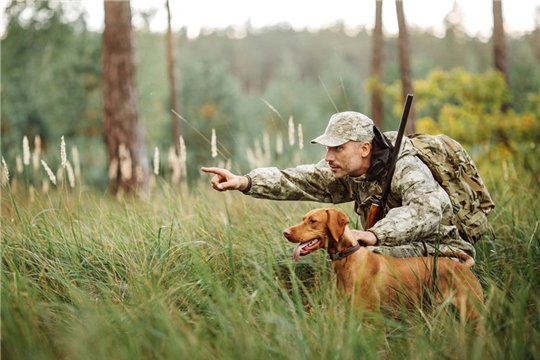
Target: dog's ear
337	221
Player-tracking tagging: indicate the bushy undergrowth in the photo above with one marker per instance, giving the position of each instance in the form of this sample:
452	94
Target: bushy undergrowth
205	275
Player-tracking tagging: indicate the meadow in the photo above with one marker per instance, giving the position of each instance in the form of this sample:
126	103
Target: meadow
201	275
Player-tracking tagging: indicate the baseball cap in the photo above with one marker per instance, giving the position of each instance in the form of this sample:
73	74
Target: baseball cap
345	126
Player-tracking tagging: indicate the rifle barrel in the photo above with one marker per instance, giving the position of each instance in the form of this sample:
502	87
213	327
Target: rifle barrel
397	147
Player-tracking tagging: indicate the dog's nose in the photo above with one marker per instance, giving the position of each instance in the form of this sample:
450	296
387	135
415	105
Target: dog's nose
287	233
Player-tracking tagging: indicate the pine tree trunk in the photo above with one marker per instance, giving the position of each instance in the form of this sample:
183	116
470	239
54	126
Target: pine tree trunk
175	121
123	131
536	34
377	59
403	49
499	45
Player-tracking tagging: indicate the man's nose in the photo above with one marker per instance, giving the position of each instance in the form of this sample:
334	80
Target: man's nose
329	156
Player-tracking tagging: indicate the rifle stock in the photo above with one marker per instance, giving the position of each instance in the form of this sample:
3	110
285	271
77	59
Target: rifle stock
376	210
375	214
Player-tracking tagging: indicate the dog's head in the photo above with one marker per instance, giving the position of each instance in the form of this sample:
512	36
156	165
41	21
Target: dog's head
319	229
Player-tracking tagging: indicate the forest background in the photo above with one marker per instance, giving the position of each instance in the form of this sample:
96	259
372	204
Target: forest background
247	83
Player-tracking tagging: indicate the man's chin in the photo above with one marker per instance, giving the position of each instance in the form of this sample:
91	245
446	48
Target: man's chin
338	174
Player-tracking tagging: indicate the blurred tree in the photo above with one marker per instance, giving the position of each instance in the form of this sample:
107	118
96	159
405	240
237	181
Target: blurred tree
376	67
211	103
50	74
454	34
536	34
467	107
404	60
499	44
123	131
175	121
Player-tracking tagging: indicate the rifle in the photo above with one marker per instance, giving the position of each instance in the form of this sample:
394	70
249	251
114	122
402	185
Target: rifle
376	211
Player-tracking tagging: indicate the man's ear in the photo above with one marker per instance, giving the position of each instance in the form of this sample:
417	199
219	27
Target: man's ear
365	149
337	221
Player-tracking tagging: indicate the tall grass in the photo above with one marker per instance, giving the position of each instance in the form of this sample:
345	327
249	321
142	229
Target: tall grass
208	275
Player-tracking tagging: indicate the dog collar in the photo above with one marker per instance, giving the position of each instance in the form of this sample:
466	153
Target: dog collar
344	254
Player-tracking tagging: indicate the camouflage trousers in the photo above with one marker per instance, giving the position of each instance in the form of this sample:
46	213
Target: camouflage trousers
415	249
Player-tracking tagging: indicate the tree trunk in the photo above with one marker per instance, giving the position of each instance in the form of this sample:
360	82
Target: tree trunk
499	45
376	68
536	34
123	131
175	121
403	49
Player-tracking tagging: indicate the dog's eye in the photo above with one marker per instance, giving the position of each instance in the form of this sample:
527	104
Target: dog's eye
312	221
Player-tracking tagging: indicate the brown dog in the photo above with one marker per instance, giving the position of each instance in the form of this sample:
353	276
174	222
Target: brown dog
375	281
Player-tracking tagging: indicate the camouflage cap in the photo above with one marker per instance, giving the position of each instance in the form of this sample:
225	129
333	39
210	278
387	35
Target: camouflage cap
345	126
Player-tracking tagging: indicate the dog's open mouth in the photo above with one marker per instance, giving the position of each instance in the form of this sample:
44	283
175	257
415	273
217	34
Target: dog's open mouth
306	248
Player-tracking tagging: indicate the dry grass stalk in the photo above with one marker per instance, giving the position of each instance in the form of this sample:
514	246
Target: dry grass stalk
156	161
36	155
291	131
214	143
76	162
174	165
5	171
70	174
183	154
19	164
45	186
300	137
60	174
63	155
279	144
49	171
183	158
26	151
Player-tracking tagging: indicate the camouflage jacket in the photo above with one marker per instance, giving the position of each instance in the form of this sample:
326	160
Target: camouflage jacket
416	203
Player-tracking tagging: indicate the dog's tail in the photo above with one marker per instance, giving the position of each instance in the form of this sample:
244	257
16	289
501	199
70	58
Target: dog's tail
467	260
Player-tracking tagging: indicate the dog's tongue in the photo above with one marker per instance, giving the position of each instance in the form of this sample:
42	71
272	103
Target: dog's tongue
296	252
305	248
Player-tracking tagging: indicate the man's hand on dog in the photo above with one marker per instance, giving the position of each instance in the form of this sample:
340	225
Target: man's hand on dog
224	180
365	237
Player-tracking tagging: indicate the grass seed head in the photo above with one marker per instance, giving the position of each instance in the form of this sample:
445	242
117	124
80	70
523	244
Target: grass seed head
19	164
76	162
279	144
5	170
26	151
49	171
63	155
214	143
70	174
36	155
156	161
291	131
300	137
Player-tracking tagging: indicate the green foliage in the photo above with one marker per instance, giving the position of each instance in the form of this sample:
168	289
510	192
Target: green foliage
467	107
50	76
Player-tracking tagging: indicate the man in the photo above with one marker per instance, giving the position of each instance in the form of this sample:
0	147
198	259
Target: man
354	169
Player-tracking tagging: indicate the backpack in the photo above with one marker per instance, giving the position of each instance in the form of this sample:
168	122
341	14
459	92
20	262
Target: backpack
456	172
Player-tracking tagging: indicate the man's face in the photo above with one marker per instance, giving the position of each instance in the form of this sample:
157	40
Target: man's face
352	158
